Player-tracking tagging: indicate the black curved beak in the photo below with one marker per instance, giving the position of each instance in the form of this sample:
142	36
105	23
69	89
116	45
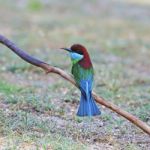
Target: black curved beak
67	49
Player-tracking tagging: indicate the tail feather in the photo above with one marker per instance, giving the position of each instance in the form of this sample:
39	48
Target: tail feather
88	107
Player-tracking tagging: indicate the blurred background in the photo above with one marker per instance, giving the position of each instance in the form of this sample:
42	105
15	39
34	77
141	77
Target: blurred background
39	111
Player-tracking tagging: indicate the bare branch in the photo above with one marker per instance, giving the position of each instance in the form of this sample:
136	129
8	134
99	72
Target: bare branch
51	69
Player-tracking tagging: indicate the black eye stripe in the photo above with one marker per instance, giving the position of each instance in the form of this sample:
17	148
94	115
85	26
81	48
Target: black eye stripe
78	51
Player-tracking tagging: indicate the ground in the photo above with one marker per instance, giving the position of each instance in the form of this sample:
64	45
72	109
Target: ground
38	111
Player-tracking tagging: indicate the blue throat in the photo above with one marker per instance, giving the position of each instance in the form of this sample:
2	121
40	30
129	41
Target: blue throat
75	57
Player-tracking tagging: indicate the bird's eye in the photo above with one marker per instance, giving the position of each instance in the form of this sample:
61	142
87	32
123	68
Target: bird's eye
79	52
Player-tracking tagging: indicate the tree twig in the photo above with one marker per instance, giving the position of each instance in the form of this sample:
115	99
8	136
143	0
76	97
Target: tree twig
50	69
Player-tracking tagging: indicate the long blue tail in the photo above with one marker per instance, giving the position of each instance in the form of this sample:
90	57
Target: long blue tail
88	107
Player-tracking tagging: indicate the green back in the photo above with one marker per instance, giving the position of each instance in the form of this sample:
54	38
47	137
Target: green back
81	73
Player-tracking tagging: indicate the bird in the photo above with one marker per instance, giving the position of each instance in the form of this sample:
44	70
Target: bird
83	73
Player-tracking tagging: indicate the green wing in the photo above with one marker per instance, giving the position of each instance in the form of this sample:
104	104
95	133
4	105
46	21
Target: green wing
80	73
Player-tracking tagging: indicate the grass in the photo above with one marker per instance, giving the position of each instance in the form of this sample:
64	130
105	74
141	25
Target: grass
39	111
8	88
44	143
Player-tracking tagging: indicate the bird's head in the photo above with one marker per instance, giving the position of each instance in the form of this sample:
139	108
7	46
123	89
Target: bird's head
79	54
